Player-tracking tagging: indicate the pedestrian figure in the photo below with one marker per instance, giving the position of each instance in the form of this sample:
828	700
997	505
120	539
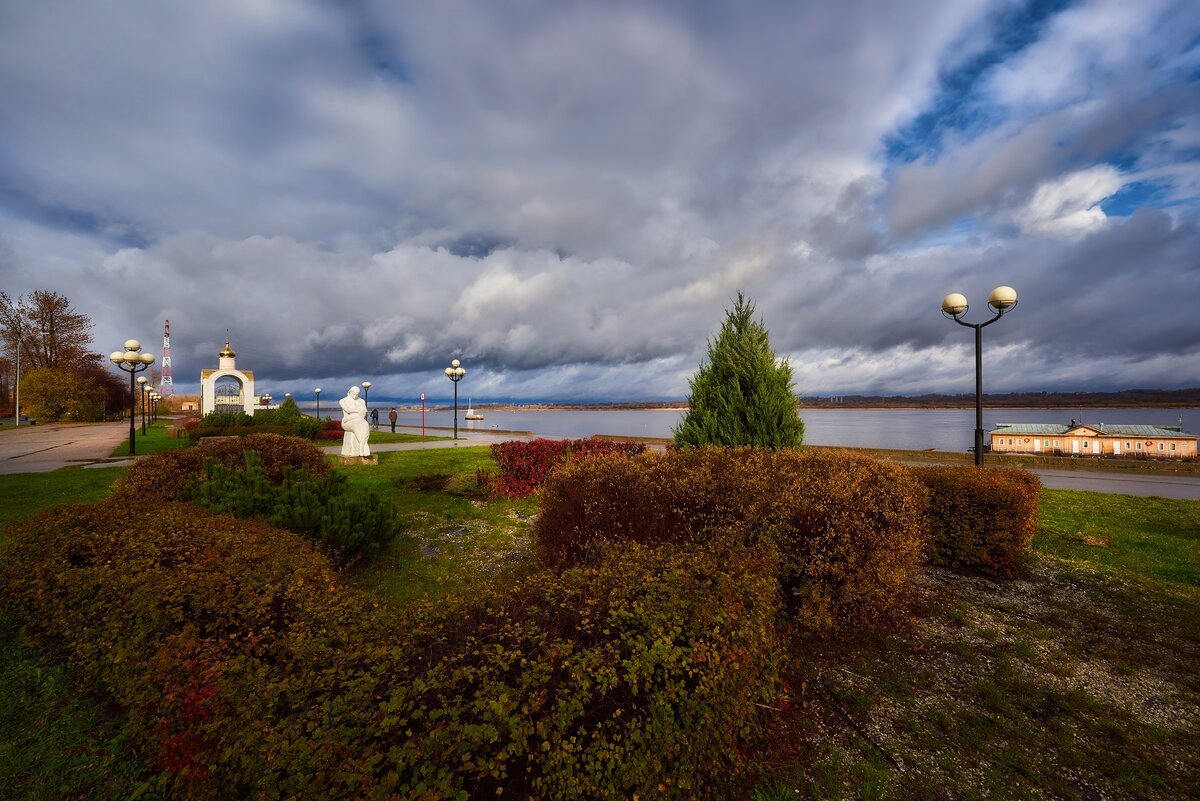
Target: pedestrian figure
374	418
392	418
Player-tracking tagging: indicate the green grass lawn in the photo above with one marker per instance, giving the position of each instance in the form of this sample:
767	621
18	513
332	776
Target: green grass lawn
25	494
1079	680
1128	538
454	537
155	440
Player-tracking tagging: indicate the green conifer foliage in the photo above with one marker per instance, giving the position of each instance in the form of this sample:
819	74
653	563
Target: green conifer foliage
742	394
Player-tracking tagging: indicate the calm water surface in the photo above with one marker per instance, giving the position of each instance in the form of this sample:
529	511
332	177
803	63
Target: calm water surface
907	429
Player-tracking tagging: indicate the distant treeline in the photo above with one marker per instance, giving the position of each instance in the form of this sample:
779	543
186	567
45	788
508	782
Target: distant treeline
1065	400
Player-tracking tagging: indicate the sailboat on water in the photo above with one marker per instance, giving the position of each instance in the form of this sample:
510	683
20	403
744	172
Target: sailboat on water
471	413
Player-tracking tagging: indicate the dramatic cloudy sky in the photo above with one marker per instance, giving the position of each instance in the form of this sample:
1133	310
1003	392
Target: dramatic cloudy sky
566	195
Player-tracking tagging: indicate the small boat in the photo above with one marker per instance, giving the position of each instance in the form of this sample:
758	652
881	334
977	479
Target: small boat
471	413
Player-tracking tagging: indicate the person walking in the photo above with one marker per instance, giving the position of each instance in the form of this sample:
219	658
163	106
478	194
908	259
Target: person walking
374	418
392	418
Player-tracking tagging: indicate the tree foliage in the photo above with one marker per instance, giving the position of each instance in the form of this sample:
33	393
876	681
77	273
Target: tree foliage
47	330
742	394
49	394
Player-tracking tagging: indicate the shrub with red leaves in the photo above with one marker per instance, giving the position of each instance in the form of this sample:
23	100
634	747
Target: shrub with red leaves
525	465
331	429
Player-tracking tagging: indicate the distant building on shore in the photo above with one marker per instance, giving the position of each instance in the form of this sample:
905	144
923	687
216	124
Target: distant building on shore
1080	439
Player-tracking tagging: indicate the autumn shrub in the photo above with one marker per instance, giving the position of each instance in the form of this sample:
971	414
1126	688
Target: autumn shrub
524	466
147	602
206	432
162	477
226	419
980	520
286	420
331	429
245	669
350	523
848	528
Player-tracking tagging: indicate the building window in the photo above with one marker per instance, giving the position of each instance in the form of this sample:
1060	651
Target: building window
1127	446
1139	446
1160	446
1085	443
1056	443
1045	443
1172	446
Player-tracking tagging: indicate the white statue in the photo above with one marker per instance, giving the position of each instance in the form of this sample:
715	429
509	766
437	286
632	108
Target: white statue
354	423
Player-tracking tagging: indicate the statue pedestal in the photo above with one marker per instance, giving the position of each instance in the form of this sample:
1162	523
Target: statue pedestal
374	459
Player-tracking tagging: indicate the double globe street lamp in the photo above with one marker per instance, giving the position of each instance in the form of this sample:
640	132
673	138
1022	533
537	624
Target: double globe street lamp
455	374
133	361
954	306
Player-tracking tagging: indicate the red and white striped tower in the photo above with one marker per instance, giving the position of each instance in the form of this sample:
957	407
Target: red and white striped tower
167	388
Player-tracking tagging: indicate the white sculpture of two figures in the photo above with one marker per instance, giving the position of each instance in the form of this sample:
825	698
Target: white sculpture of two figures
354	423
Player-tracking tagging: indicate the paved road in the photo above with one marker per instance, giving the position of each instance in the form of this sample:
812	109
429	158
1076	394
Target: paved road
1186	487
42	448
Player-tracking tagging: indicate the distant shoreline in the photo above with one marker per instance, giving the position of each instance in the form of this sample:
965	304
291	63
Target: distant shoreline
636	407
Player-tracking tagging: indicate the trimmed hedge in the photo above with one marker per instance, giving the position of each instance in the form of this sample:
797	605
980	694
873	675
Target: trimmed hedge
524	466
980	520
164	476
848	528
247	670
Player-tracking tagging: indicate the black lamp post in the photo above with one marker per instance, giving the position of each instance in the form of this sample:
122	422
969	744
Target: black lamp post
132	361
455	374
366	385
141	379
318	391
954	306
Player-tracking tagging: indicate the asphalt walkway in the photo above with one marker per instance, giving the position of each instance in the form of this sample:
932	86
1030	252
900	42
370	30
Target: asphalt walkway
53	446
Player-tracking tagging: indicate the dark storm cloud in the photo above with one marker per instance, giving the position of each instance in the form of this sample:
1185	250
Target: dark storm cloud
567	195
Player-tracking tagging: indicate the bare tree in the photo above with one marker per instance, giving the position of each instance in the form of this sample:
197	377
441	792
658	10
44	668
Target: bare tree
48	331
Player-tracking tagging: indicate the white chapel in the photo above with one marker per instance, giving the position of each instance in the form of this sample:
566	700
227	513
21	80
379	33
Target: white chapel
227	389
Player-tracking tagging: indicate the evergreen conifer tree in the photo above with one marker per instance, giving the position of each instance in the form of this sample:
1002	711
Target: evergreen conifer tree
742	395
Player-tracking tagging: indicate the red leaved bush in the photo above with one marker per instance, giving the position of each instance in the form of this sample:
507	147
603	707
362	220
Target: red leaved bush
331	429
525	465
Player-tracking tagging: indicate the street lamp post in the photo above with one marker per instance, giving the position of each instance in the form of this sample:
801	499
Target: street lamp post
132	361
366	385
154	398
318	391
954	306
455	374
141	379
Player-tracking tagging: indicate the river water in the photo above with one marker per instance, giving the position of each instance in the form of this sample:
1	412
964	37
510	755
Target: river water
905	429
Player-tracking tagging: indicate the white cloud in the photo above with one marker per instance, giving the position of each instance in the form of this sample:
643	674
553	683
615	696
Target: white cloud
568	195
1070	205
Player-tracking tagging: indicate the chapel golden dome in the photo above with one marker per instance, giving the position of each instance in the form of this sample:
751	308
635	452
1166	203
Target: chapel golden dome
227	352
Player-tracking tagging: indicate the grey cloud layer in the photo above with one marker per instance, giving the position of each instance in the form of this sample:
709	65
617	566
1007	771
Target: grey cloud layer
329	185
